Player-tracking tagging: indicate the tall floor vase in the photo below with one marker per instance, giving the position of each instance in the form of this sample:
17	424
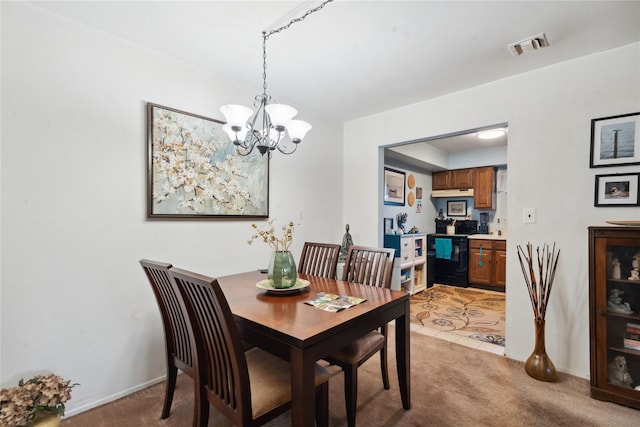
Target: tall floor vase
538	365
48	420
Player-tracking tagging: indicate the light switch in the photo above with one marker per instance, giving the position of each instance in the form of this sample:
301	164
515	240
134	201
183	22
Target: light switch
529	215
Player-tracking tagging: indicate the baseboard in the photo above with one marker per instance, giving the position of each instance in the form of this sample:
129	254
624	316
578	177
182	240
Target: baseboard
115	396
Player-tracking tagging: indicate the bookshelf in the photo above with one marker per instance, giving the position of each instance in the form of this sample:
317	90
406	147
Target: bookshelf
409	267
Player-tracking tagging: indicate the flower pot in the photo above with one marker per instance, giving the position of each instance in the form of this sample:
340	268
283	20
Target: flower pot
538	365
282	270
46	420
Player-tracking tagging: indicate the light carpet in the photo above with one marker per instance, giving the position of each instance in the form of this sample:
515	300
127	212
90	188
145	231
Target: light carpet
468	312
449	387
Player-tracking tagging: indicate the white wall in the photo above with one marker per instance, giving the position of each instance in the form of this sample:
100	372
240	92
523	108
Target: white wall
74	299
549	112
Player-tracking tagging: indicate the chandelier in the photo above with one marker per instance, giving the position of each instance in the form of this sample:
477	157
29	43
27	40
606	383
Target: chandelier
266	129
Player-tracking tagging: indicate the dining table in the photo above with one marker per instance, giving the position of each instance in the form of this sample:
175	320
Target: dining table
282	323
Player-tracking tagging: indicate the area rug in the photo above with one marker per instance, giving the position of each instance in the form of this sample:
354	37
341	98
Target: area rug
469	312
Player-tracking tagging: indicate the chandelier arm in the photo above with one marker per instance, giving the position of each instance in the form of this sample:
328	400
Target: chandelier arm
283	150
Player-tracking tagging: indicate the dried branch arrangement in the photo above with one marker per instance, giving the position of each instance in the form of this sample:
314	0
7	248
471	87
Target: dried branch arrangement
539	288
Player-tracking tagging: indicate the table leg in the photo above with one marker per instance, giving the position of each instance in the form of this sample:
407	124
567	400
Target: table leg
403	356
302	388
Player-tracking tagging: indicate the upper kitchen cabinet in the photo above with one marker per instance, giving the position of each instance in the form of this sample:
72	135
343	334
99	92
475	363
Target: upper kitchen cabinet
481	180
441	180
484	187
453	179
462	178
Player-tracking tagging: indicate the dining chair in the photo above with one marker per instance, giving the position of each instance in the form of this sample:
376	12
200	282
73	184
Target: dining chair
248	387
178	336
368	266
319	259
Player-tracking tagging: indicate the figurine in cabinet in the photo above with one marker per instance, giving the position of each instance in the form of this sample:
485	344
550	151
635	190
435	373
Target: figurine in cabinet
618	373
635	274
615	269
615	303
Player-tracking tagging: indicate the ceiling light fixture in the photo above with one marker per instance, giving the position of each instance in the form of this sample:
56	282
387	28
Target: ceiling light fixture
265	131
491	133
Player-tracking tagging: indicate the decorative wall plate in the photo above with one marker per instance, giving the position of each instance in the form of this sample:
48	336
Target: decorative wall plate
411	181
411	199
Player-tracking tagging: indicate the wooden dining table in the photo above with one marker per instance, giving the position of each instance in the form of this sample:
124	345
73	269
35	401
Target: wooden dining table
302	334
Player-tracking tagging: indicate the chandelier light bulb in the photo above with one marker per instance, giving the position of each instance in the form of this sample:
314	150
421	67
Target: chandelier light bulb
297	129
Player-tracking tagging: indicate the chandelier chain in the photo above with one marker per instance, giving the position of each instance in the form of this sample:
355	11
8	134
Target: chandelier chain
266	35
293	21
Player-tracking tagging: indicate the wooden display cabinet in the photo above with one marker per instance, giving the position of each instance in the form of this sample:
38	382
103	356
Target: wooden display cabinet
487	263
614	324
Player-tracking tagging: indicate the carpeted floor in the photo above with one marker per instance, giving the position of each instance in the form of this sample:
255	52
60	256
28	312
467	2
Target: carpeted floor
468	312
449	388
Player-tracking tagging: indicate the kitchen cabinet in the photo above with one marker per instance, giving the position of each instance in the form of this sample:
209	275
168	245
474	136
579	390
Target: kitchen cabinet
410	264
453	179
484	188
487	263
441	180
462	178
614	314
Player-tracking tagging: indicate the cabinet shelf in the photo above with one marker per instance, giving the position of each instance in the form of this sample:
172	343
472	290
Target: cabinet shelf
626	350
622	315
624	281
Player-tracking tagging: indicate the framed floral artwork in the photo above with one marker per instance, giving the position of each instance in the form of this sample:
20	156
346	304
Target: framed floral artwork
194	171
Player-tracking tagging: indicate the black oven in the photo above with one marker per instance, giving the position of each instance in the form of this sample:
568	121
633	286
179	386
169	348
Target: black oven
448	259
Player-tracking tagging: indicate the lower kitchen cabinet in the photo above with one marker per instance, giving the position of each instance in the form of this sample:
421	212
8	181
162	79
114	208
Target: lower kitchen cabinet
488	263
614	314
410	264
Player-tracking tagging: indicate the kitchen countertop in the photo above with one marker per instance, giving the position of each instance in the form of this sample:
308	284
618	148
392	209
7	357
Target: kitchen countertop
487	237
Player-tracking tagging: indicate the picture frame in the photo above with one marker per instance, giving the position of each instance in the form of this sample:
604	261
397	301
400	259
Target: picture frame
388	226
195	172
615	141
618	189
394	185
456	208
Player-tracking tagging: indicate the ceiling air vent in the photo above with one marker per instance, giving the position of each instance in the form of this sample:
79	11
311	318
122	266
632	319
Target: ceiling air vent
529	45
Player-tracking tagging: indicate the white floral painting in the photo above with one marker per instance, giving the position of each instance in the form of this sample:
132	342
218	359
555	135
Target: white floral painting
194	170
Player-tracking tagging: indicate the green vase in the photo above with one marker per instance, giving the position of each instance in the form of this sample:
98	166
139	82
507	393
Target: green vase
282	270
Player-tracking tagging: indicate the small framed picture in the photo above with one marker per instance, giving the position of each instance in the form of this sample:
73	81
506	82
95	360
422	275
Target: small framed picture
394	183
388	226
615	141
617	190
456	208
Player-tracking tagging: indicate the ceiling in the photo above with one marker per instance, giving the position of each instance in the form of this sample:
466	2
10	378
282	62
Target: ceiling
356	58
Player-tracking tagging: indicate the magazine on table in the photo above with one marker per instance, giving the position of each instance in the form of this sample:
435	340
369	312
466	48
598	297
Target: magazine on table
333	302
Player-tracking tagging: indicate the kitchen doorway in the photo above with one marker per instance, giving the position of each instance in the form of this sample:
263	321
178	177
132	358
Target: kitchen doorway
421	160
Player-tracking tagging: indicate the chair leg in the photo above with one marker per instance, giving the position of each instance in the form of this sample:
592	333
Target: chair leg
172	374
201	406
384	367
322	405
351	393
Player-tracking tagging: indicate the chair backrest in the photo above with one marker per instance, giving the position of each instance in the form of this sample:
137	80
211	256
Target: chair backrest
369	266
221	360
319	259
178	335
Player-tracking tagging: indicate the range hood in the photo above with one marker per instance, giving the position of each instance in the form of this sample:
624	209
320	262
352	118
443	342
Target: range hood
463	192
